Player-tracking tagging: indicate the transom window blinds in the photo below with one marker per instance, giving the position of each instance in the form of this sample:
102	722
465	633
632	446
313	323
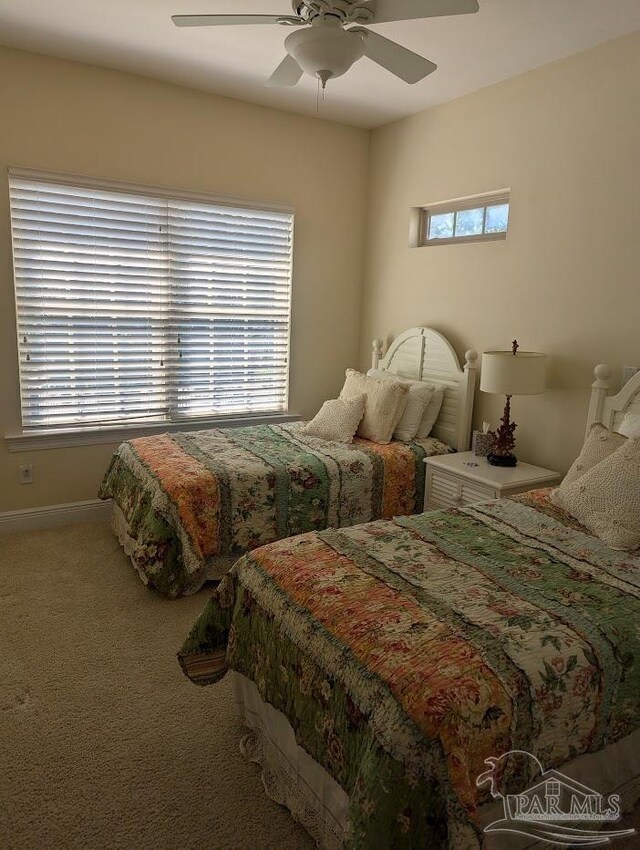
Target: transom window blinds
134	307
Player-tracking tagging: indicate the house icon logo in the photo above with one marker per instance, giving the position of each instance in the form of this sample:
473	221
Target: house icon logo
554	808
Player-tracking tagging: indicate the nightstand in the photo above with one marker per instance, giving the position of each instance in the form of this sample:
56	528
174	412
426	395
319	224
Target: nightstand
462	478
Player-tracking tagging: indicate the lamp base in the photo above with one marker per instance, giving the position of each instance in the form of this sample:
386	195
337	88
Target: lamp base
502	460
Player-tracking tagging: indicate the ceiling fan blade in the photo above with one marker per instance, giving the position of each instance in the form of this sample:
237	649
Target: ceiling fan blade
287	73
410	10
406	64
233	20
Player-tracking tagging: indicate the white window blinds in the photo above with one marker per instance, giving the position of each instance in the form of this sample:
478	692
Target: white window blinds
134	307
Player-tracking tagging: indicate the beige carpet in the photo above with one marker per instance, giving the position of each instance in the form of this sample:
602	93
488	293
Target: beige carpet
103	742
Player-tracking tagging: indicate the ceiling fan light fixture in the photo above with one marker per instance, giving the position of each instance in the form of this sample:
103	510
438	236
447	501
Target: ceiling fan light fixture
325	52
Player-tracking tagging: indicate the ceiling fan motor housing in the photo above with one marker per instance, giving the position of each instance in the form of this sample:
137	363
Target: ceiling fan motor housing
345	11
324	50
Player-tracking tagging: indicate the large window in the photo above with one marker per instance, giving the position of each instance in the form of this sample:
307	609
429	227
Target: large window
136	306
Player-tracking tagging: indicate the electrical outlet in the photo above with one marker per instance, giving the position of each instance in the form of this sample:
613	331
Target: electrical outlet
26	473
628	372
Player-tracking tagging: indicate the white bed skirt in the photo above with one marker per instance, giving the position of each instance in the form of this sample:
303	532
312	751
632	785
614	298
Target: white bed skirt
290	776
293	779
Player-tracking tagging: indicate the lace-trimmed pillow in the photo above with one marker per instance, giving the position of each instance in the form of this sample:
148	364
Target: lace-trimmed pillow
599	444
336	420
606	499
383	407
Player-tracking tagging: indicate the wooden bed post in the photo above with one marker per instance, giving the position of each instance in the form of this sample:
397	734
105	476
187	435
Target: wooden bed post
471	361
376	354
469	387
599	391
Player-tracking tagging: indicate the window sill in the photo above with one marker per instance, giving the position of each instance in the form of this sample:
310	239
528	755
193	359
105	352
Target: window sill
464	240
116	434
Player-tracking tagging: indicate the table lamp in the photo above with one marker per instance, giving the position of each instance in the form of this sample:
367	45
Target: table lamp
511	373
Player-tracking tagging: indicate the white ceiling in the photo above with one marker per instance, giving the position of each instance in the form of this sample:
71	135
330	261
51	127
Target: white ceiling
507	37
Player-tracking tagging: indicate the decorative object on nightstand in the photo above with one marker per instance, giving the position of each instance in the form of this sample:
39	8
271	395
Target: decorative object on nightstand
463	478
511	373
483	441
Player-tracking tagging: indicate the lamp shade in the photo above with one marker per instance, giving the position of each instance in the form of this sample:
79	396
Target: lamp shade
505	373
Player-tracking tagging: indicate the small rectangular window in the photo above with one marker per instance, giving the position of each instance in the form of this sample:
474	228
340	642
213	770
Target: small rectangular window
476	219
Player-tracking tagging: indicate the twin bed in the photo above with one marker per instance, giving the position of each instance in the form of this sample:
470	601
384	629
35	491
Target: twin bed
186	505
383	670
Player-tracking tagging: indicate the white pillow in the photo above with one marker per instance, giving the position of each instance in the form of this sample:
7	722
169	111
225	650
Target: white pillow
430	416
630	426
383	407
336	420
418	398
606	498
600	442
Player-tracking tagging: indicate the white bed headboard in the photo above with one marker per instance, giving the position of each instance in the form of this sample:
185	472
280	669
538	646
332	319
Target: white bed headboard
610	410
422	354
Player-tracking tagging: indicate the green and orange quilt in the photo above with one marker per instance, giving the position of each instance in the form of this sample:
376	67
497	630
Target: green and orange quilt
183	501
404	653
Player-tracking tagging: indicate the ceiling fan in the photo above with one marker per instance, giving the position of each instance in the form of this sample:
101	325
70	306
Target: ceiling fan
325	48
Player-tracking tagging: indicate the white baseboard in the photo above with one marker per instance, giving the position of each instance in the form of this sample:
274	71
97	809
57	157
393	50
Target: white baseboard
50	516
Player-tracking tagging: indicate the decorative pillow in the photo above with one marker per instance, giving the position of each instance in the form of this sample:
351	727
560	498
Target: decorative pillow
599	444
418	398
606	499
336	420
383	407
430	416
630	426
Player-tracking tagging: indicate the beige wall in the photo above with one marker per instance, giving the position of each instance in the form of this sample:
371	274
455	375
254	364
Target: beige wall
566	139
65	116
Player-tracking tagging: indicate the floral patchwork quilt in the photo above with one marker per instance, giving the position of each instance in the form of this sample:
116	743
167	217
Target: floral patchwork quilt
404	653
182	500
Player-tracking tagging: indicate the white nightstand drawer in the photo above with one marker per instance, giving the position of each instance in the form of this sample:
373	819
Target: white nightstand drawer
443	490
462	479
473	492
449	491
